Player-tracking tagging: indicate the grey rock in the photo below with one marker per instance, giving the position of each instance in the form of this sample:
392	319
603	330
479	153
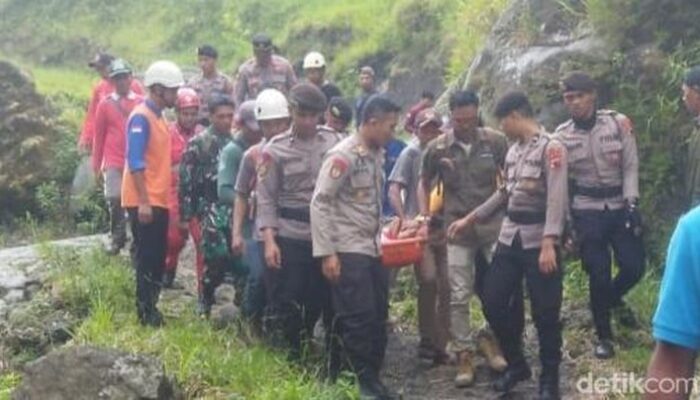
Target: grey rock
85	372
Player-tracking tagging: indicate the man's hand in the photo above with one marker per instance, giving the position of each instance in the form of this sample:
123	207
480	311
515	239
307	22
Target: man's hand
145	214
395	227
273	256
331	268
548	257
237	245
461	224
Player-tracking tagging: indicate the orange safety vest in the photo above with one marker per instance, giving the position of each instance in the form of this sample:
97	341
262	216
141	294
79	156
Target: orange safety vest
157	172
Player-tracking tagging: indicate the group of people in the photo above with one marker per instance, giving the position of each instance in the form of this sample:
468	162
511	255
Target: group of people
288	202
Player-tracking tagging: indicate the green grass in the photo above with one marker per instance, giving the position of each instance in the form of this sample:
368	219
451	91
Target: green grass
206	362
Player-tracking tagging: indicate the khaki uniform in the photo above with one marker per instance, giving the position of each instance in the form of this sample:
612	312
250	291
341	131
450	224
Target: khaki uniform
692	175
603	162
470	173
346	207
205	88
535	193
603	169
253	79
345	214
297	292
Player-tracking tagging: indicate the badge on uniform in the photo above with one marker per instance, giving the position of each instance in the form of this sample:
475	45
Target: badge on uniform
555	155
264	167
338	167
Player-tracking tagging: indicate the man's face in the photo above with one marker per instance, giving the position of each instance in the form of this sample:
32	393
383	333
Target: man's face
207	64
315	75
273	127
251	135
222	118
510	125
465	119
691	98
169	97
263	53
366	82
122	84
305	121
581	105
187	117
336	123
427	133
382	128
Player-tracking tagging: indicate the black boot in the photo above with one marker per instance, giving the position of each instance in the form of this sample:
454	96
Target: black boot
604	349
514	374
371	388
168	279
549	383
203	306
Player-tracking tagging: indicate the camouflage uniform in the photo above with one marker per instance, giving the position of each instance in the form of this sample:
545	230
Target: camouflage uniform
205	88
198	198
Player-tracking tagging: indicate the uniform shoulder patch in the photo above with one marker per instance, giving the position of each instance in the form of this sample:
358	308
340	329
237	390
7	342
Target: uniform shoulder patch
339	165
625	124
264	164
555	154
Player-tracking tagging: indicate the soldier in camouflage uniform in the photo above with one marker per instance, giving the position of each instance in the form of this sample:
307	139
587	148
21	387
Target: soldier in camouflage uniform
209	81
198	198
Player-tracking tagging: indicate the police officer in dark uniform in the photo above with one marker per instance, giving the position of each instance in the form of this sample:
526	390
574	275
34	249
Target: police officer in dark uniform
603	172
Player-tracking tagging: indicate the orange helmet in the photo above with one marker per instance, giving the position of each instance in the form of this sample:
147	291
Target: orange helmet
187	97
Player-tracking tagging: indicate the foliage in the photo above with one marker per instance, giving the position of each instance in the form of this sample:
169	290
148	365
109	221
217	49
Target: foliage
207	363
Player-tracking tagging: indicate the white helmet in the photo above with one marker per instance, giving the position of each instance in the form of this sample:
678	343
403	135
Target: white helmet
165	73
271	104
314	60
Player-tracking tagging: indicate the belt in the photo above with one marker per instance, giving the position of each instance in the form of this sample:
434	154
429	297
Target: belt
527	217
604	192
296	214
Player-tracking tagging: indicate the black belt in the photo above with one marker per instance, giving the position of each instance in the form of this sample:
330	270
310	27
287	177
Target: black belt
296	214
527	217
604	192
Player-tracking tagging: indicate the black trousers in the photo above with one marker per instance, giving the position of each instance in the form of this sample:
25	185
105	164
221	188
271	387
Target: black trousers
504	306
297	295
599	231
360	303
148	255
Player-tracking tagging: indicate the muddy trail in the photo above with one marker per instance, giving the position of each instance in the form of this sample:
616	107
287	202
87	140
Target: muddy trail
404	372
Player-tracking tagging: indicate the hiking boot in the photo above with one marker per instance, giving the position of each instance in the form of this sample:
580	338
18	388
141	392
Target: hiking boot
625	316
511	377
465	370
492	352
604	349
153	318
549	385
371	388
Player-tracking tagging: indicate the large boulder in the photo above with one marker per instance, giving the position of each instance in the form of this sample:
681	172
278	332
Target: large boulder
83	372
27	133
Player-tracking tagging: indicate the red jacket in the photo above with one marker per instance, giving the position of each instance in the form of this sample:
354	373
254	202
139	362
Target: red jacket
178	144
109	142
101	90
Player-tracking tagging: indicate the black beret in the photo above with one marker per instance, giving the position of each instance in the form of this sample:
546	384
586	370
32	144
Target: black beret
578	82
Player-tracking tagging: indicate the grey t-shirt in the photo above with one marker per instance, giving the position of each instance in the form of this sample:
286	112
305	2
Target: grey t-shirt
406	172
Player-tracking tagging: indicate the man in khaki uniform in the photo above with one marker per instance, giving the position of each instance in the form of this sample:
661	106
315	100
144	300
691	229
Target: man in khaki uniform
431	273
603	167
468	160
535	196
691	98
346	213
287	175
264	71
209	81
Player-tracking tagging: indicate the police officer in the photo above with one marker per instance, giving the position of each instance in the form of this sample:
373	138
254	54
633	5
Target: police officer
314	66
339	115
536	198
264	71
272	114
467	159
346	216
603	168
209	81
199	198
287	175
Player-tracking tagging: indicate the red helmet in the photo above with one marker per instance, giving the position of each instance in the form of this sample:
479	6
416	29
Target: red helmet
187	97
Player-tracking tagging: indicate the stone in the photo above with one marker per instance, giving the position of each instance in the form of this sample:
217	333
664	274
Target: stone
225	315
86	372
15	296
